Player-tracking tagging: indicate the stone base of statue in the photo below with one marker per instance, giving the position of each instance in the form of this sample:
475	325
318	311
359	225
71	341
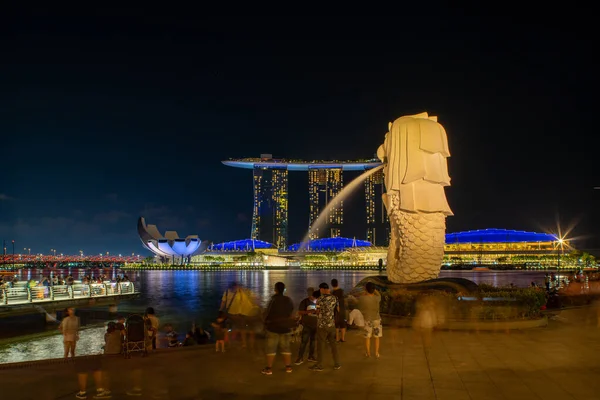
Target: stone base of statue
384	284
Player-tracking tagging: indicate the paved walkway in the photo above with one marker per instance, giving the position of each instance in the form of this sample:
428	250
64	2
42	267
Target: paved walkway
558	362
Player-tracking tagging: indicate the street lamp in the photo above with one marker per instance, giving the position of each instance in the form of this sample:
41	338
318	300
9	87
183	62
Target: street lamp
54	251
559	250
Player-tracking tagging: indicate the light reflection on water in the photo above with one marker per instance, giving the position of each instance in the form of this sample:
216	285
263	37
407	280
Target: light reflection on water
181	297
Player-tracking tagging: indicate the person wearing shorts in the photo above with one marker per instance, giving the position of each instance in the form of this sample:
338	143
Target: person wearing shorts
69	327
239	304
278	326
340	316
368	304
373	329
83	367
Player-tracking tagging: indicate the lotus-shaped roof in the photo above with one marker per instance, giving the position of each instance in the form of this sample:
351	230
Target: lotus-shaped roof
169	244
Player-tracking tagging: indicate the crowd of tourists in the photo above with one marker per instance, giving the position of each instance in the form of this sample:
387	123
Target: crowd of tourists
318	323
11	281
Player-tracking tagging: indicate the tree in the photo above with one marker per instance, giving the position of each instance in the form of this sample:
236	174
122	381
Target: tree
587	259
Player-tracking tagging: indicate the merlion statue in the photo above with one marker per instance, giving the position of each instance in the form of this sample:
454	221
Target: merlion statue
415	172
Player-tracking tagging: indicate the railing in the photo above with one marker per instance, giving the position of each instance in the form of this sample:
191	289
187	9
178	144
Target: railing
38	294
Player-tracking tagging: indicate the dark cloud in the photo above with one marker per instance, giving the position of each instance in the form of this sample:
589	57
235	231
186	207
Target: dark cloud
241	217
5	197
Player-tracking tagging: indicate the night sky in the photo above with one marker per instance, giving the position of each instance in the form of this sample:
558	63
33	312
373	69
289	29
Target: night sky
114	115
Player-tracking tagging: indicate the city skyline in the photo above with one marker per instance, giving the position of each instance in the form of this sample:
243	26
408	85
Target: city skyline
107	118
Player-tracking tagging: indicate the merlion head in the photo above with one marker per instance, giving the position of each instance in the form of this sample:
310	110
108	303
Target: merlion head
414	153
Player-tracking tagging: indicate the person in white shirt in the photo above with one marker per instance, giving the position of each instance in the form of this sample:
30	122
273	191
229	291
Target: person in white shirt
356	318
69	327
368	304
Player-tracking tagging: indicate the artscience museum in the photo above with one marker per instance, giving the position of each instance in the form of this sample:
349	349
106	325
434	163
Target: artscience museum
170	246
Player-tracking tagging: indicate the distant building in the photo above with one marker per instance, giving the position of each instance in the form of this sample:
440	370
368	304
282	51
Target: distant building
335	244
378	223
485	247
325	181
270	210
503	246
463	250
170	248
323	185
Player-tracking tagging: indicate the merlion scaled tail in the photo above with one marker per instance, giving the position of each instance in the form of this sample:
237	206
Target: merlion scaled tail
415	171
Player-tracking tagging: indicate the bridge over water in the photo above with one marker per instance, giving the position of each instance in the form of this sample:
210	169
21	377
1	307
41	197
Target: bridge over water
14	261
23	299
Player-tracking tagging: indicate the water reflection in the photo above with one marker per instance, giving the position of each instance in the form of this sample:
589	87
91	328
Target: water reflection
183	297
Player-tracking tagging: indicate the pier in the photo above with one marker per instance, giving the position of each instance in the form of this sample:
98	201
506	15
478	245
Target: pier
22	299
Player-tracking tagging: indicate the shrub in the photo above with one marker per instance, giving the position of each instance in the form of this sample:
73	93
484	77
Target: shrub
507	303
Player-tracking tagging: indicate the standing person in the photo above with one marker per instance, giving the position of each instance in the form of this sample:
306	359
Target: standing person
154	324
113	346
326	306
279	320
308	311
368	304
69	328
426	318
220	331
547	282
242	312
84	367
340	317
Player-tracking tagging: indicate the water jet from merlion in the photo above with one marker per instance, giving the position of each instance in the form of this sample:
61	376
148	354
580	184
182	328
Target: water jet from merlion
333	203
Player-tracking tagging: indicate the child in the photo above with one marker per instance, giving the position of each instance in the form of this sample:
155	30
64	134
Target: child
171	336
113	340
120	323
220	331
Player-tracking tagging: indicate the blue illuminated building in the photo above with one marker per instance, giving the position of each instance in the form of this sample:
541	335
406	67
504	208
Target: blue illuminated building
503	246
329	244
498	236
242	245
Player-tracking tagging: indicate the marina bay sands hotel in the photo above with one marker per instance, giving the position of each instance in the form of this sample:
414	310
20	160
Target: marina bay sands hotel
325	181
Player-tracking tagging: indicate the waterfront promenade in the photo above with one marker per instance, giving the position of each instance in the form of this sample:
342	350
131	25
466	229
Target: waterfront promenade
557	362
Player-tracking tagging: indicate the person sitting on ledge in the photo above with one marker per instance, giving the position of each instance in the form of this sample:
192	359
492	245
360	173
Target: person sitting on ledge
171	336
189	339
200	335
